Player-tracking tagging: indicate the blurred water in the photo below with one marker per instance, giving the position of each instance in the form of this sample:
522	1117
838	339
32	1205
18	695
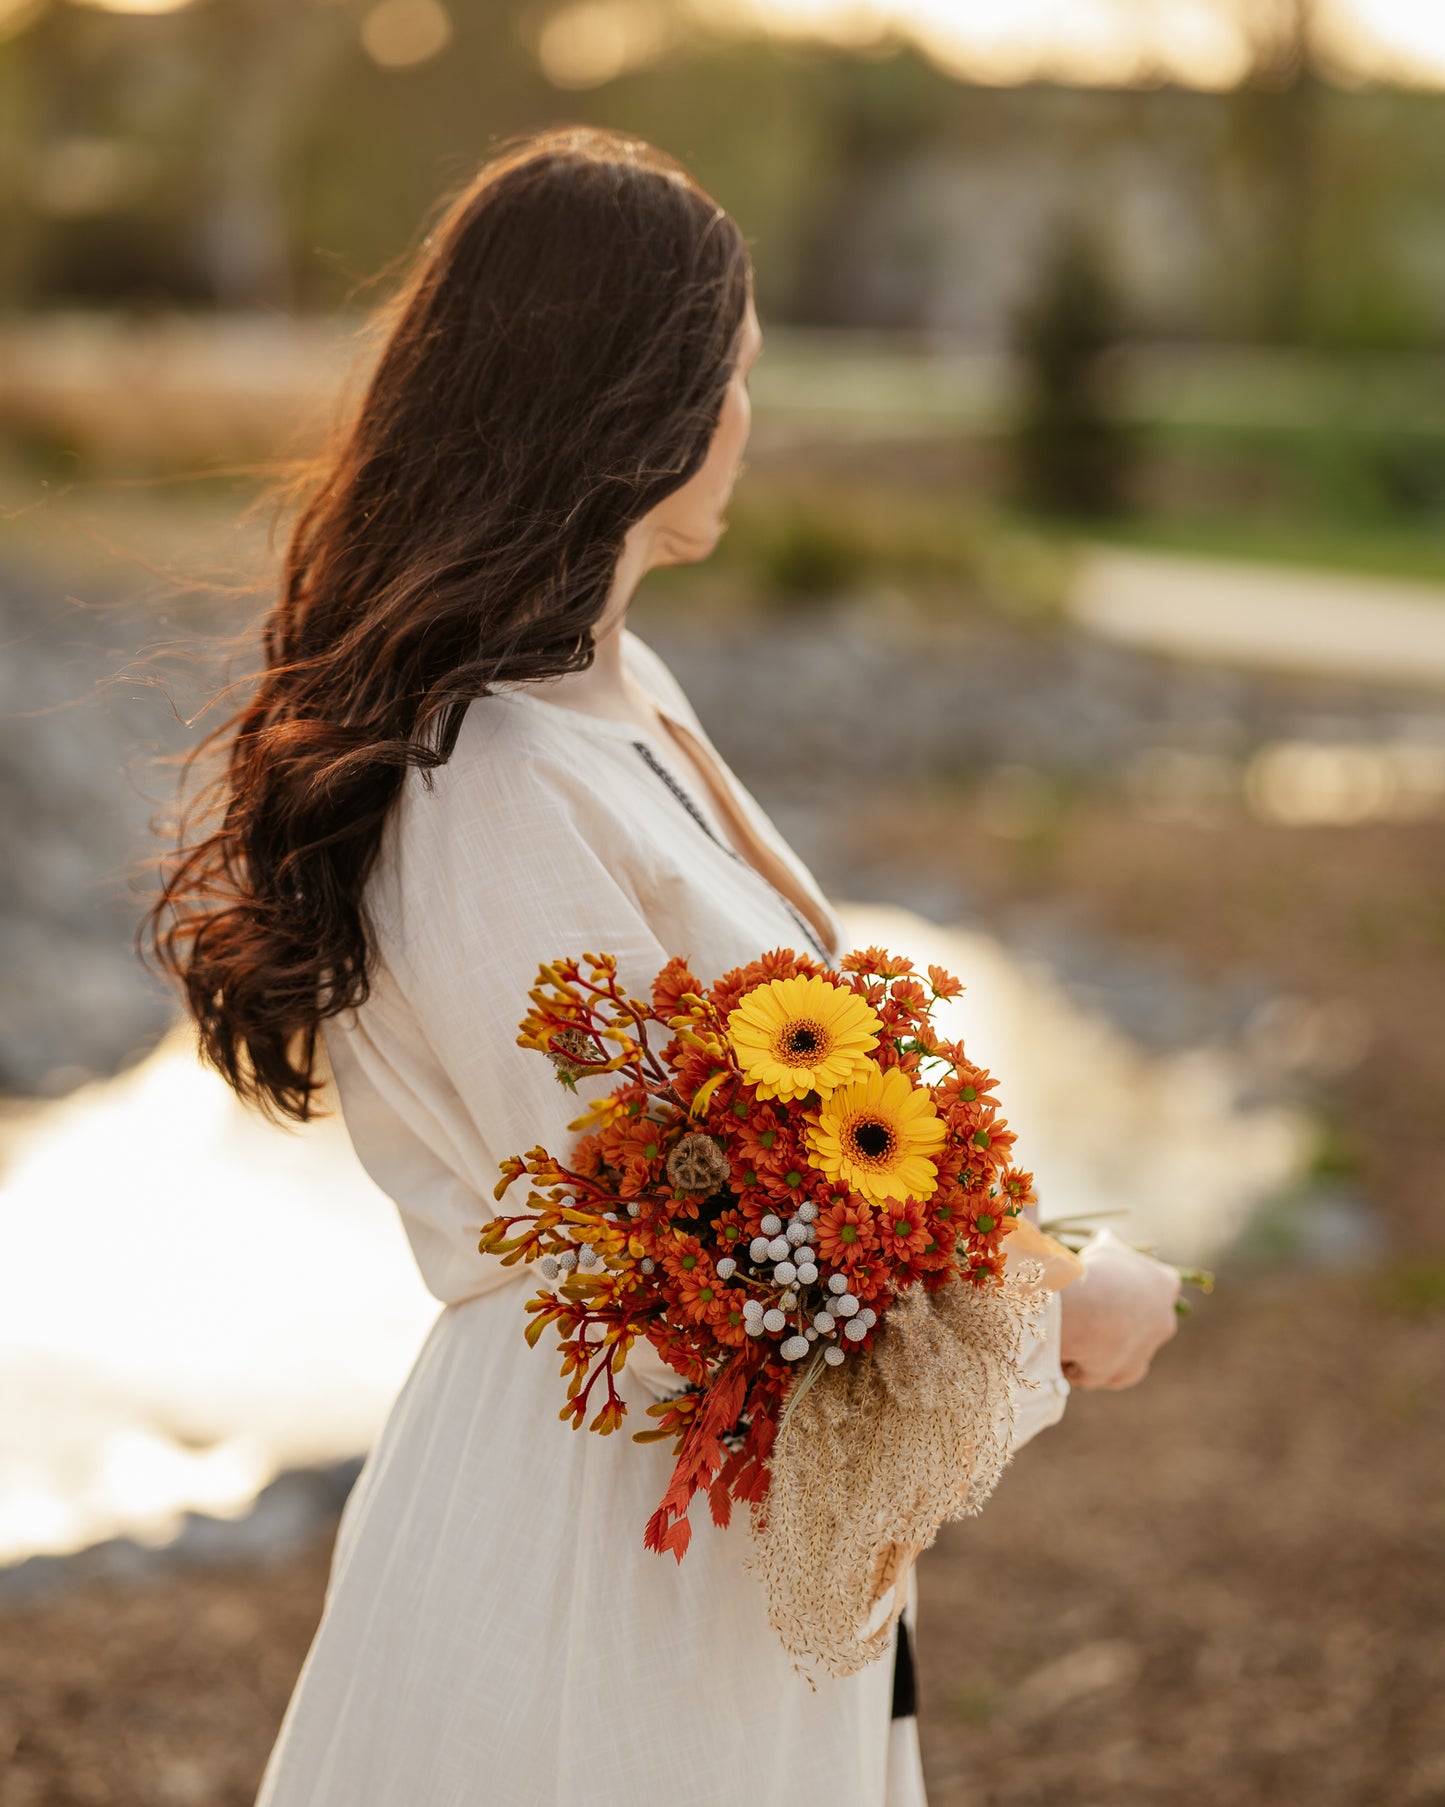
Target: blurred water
192	1300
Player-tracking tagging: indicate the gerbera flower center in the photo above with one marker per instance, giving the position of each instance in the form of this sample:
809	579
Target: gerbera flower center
874	1140
802	1041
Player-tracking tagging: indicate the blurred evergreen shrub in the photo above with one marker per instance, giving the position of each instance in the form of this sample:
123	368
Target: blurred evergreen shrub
1073	451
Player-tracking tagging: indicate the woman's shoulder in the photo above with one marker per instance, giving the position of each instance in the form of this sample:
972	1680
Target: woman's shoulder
520	788
524	769
499	733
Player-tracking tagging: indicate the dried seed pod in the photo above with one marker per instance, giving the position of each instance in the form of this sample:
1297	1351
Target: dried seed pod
696	1165
571	1052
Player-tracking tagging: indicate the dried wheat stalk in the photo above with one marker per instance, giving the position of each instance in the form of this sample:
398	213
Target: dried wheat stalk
878	1453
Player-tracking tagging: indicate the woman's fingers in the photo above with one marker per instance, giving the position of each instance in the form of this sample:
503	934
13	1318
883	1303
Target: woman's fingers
1117	1316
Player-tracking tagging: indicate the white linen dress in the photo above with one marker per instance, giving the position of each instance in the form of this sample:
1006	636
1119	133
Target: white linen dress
494	1631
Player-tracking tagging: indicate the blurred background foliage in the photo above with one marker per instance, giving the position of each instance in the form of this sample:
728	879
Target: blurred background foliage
1206	296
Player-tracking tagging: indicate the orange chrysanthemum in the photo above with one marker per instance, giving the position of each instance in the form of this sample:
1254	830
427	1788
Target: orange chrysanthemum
698	1293
845	1234
901	1230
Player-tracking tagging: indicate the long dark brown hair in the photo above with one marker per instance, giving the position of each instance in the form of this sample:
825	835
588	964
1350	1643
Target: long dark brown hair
553	366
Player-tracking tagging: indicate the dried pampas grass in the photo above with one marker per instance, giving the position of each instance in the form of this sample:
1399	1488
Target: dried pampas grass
876	1454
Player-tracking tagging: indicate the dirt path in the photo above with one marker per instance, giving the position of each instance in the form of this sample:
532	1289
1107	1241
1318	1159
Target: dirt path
1349	626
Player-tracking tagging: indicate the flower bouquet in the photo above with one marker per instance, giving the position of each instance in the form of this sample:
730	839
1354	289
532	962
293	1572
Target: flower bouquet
797	1191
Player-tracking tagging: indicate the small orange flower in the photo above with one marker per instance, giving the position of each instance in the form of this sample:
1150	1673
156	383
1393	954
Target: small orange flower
984	1216
992	1136
698	1293
633	1145
669	985
682	1255
910	993
1017	1186
901	1229
732	1231
944	983
727	1321
766	1141
845	1234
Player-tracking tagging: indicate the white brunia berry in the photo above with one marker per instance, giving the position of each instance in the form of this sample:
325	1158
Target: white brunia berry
796	1232
567	1260
753	1326
824	1322
774	1321
811	1334
869	1316
837	1283
807	1273
726	1268
758	1248
788	1300
550	1267
845	1307
808	1211
855	1330
753	1308
794	1349
832	1355
647	1264
779	1249
785	1273
771	1225
587	1257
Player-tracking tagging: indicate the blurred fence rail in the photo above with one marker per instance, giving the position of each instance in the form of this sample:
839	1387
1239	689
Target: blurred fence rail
173	391
178	390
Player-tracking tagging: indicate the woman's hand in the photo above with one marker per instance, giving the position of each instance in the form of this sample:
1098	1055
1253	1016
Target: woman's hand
1116	1315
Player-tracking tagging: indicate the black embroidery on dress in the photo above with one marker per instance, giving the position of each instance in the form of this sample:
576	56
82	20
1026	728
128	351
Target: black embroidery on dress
702	822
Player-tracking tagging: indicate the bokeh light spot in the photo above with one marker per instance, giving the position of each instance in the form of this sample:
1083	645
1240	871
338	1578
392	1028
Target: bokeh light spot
400	34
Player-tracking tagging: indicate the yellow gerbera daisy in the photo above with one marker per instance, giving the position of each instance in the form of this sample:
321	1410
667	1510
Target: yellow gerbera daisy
876	1135
795	1036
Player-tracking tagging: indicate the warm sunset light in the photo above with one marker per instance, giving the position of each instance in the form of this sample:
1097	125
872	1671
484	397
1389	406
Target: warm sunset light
1205	44
134	6
1105	42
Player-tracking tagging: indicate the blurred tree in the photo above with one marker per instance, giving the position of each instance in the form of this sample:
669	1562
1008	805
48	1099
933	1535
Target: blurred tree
1072	451
277	55
1279	106
279	152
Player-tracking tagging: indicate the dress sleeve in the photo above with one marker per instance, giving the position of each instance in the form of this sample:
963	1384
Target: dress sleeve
497	894
512	857
1038	1406
506	863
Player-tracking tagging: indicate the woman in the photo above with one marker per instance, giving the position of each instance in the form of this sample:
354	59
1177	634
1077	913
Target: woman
459	762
